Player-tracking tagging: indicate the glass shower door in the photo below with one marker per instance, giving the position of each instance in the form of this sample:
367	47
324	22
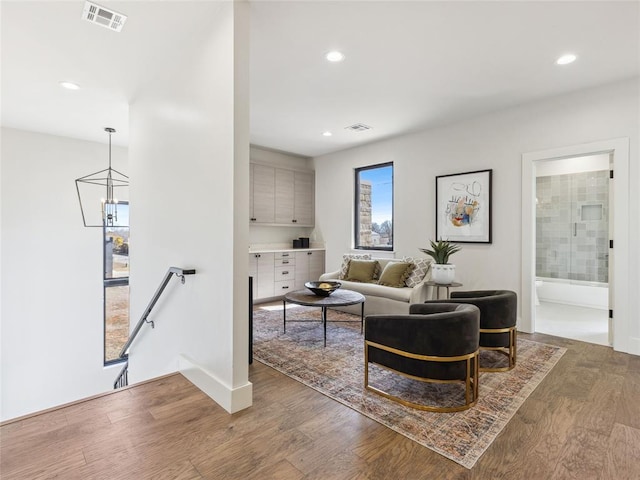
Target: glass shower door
572	231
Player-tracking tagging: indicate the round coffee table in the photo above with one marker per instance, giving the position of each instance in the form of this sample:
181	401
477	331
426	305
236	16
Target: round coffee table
339	298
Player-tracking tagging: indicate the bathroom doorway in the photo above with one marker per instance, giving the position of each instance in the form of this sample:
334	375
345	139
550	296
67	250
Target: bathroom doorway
572	200
619	287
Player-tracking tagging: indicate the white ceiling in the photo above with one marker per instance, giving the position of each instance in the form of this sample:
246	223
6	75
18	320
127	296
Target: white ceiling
408	66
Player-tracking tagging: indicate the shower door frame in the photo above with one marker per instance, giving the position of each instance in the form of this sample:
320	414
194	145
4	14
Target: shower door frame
619	150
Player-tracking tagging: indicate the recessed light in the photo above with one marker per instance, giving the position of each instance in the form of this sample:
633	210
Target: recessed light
327	133
566	59
335	56
69	85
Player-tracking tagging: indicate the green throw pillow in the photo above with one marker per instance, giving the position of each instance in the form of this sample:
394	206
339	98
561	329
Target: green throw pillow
395	274
361	270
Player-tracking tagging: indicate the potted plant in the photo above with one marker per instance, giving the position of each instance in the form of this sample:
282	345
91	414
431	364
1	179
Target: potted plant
442	271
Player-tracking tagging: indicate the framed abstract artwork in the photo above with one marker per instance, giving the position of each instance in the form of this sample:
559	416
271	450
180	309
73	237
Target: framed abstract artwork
463	207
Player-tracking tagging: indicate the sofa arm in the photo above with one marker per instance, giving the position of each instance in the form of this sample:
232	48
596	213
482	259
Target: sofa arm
329	276
421	292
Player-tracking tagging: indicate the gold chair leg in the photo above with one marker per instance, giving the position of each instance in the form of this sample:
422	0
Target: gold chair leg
470	382
509	352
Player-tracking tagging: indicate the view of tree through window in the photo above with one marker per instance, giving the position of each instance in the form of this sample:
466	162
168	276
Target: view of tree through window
374	207
116	285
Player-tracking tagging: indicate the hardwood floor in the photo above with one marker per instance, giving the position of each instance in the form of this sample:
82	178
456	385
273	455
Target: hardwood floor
583	421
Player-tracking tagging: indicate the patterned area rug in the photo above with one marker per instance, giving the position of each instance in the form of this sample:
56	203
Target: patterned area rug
338	372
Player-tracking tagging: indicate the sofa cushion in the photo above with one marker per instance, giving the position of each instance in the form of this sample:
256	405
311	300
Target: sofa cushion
346	258
395	274
420	269
361	270
382	262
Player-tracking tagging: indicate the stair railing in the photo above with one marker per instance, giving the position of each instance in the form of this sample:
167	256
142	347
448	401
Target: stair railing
123	376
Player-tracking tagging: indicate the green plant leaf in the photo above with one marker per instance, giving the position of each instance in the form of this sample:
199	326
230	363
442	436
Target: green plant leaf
441	251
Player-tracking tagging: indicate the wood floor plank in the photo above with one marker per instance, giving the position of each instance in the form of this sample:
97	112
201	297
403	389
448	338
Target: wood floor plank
279	470
628	411
550	427
250	453
604	398
623	453
582	455
343	465
45	465
403	458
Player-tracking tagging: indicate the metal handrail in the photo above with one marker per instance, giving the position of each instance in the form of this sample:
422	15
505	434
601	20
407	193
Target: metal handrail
178	272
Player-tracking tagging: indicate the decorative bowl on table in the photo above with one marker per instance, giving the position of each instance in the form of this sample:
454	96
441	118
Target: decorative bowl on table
323	289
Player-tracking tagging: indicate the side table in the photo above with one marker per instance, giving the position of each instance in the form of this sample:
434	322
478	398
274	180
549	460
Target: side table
438	286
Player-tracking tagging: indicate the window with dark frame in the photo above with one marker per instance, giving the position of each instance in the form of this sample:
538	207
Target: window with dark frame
373	229
116	285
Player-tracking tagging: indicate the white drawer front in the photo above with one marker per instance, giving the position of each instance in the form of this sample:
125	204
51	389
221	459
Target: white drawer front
285	273
283	262
284	287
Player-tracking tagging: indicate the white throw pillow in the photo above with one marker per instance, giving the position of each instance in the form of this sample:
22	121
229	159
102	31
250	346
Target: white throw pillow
421	267
346	258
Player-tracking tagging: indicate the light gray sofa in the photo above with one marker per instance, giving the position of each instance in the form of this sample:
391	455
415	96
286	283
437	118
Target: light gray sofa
381	299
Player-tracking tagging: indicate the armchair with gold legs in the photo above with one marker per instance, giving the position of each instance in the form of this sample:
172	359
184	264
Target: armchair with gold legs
434	343
498	317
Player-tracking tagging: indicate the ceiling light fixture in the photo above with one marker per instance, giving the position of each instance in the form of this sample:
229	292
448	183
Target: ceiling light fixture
566	59
327	133
335	56
110	179
69	85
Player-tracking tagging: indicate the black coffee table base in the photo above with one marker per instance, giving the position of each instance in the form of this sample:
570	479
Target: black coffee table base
339	298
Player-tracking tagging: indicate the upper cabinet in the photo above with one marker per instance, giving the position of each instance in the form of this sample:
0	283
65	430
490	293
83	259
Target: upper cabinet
262	194
284	196
303	198
281	197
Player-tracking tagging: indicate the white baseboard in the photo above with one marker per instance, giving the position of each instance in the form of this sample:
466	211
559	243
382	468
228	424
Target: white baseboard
634	346
231	399
521	327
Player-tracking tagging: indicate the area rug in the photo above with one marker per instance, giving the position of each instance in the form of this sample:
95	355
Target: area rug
338	372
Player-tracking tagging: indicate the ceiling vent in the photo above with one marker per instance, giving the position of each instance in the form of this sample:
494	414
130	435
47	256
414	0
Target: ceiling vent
358	127
103	16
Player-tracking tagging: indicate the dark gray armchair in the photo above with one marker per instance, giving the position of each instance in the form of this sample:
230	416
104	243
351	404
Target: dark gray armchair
436	343
498	316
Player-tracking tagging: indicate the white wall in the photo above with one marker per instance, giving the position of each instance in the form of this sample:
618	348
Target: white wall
189	150
52	300
495	141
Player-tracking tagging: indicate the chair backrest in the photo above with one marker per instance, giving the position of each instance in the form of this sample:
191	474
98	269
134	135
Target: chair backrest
498	308
444	330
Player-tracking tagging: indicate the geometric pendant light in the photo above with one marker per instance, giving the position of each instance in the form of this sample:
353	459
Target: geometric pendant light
102	191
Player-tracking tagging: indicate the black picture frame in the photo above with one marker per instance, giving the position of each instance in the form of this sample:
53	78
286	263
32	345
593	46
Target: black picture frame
463	207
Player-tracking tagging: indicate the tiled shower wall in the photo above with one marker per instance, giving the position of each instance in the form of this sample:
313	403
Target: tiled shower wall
568	245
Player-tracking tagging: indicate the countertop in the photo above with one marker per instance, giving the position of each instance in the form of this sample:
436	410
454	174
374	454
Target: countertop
278	250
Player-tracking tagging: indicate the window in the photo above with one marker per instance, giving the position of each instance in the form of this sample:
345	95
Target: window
116	285
374	207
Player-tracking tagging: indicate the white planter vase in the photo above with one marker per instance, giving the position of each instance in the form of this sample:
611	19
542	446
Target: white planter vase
443	273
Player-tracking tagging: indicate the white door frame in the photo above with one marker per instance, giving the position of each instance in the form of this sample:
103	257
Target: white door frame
619	150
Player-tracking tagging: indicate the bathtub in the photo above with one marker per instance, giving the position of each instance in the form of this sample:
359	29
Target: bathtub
573	292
